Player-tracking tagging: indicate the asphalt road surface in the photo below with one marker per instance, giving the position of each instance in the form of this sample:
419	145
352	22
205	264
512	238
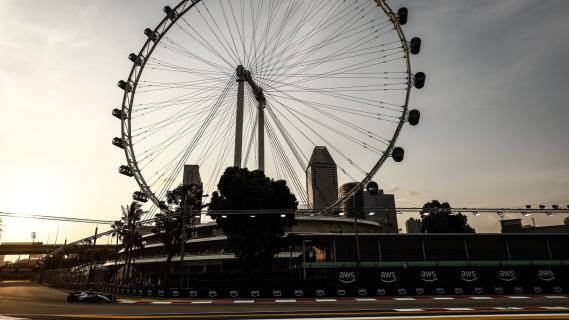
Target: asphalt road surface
20	299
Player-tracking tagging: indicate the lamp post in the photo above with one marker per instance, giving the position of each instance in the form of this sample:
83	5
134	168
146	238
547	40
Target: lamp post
304	241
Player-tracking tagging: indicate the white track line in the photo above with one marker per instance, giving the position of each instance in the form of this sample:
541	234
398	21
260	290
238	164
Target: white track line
442	298
244	301
459	309
555	308
481	298
507	308
127	301
404	299
161	302
325	300
517	297
365	299
556	297
285	300
409	310
202	301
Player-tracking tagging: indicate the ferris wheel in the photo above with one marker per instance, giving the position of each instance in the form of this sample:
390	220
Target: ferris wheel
262	84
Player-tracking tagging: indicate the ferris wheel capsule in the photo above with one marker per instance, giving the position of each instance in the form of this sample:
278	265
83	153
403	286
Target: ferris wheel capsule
415	45
135	58
118	113
124	85
140	196
118	142
402	15
414	116
126	171
170	13
372	187
419	80
398	154
151	34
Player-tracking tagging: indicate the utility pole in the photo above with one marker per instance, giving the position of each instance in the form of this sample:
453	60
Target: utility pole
89	274
183	238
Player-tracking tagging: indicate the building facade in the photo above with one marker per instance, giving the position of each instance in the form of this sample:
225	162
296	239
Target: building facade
379	207
192	175
321	179
414	225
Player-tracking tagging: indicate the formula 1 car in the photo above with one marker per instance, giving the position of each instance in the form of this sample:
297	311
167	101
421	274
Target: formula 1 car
89	297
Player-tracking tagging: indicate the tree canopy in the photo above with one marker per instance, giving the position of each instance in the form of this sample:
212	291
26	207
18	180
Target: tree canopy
170	223
254	240
438	218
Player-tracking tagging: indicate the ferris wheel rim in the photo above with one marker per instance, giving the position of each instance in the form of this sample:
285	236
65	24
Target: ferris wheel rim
150	45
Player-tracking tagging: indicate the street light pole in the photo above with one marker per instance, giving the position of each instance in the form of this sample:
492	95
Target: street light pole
183	238
357	241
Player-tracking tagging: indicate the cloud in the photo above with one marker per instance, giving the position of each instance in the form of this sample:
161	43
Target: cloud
414	193
392	188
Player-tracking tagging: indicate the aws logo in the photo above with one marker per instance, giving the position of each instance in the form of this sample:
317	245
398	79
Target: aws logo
429	276
468	275
545	274
387	276
507	275
347	277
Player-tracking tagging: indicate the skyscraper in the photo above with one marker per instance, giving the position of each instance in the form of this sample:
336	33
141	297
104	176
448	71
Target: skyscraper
378	207
192	175
414	226
321	179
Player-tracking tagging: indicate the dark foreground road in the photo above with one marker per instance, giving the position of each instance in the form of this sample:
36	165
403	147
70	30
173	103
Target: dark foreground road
29	300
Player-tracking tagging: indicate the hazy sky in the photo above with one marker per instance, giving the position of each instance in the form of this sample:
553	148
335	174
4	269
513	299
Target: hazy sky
494	109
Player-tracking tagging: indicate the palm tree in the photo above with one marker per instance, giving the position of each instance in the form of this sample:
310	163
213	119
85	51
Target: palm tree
118	231
127	230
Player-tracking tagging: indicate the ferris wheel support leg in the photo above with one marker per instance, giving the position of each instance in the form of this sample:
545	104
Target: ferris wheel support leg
239	124
261	132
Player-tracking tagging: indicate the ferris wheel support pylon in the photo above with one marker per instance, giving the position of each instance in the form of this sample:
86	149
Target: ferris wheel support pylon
243	75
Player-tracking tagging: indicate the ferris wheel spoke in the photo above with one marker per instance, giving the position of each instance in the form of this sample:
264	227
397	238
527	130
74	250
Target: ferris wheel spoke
327	141
340	166
231	51
340	134
327	18
176	164
336	57
349	68
351	98
277	37
192	56
333	38
349	125
286	165
352	111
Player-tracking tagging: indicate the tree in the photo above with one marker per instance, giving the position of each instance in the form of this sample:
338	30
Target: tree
173	224
438	218
254	240
127	229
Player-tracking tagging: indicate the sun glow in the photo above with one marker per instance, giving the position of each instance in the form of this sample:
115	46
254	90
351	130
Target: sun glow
33	191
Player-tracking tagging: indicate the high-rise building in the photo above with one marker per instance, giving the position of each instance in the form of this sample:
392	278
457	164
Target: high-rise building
414	225
321	179
192	175
378	207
